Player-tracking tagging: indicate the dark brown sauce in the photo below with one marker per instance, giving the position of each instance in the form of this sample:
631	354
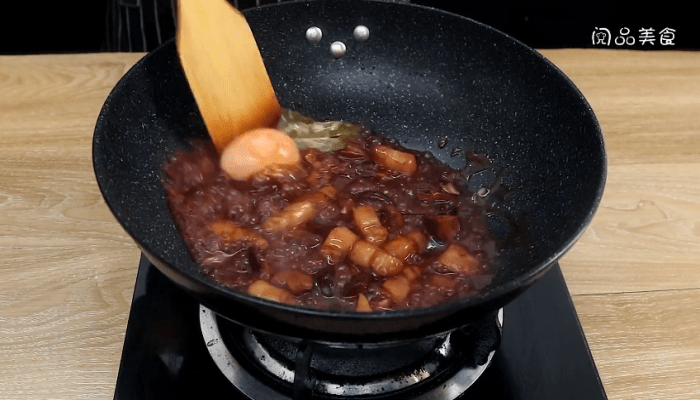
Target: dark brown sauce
200	194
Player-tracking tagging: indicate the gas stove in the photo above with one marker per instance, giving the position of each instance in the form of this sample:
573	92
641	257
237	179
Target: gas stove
176	348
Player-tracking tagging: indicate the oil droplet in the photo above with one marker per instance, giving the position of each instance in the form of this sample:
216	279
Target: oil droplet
434	244
482	192
455	152
442	142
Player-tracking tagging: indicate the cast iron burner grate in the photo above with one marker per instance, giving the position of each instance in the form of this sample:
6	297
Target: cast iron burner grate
268	366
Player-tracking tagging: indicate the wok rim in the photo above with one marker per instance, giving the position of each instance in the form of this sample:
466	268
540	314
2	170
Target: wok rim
488	300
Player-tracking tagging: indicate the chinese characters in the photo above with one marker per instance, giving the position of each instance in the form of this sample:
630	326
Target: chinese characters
643	37
667	36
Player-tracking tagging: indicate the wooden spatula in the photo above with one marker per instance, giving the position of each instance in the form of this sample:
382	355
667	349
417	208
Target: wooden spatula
224	68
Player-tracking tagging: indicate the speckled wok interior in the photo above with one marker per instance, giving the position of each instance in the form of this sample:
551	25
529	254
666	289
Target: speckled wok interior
423	76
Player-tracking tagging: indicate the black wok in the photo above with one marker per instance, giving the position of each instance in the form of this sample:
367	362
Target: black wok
423	75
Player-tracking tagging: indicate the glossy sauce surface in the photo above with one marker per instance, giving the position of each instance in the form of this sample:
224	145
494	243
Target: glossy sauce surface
345	230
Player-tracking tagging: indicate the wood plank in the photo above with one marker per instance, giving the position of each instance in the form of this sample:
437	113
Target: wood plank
645	235
67	268
646	102
646	345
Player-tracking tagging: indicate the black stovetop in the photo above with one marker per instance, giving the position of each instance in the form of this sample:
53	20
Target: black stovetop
543	353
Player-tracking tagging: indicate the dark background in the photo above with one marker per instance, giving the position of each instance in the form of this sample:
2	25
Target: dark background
94	25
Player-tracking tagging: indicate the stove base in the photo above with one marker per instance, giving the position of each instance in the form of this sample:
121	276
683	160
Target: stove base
543	353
